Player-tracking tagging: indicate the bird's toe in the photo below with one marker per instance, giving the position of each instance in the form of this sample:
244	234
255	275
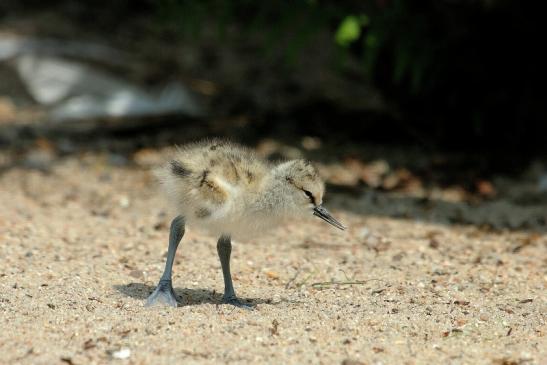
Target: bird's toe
162	295
238	303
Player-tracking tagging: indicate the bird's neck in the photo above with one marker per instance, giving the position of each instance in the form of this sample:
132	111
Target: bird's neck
273	199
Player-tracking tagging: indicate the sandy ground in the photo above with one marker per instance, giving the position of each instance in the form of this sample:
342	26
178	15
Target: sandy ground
83	244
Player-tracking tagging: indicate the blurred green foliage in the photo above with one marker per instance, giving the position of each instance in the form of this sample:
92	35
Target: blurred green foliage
363	29
350	29
460	68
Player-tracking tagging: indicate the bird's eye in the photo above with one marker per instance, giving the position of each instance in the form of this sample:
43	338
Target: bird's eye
310	196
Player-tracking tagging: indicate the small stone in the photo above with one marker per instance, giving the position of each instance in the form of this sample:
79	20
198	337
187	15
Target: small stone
272	275
115	159
39	159
352	362
485	188
8	111
311	143
137	274
434	243
89	344
121	354
124	201
363	232
67	360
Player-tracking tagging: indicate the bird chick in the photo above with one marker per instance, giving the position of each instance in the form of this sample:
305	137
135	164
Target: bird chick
227	190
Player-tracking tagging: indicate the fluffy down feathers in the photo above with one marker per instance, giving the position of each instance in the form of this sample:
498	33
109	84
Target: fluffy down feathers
227	189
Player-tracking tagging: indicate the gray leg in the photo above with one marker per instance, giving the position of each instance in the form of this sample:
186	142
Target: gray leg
224	249
164	293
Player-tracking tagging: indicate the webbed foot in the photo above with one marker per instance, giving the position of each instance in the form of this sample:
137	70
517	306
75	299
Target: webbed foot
163	295
237	303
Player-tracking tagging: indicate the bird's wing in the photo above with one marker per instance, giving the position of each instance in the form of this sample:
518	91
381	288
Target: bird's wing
212	173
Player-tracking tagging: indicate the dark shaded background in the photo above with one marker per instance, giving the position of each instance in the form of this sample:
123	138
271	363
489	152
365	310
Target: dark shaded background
444	76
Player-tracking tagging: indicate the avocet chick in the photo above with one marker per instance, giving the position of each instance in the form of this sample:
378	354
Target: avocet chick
229	191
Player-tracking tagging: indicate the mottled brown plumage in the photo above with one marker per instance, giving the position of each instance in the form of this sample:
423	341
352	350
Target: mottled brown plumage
227	189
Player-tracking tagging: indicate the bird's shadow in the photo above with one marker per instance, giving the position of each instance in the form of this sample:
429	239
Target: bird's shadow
185	296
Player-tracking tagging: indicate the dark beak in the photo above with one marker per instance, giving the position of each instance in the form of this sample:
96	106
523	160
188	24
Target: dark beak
325	215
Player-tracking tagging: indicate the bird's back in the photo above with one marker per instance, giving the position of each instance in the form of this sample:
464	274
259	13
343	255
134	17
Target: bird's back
211	180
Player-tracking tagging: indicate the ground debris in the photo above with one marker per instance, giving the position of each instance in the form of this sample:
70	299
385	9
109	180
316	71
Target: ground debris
524	242
274	331
272	275
352	362
122	353
67	360
506	361
328	284
89	344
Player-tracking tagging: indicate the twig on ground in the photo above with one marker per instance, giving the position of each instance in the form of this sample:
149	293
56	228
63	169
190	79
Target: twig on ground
292	279
328	284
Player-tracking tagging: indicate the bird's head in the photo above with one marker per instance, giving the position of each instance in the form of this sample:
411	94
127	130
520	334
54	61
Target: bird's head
304	190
